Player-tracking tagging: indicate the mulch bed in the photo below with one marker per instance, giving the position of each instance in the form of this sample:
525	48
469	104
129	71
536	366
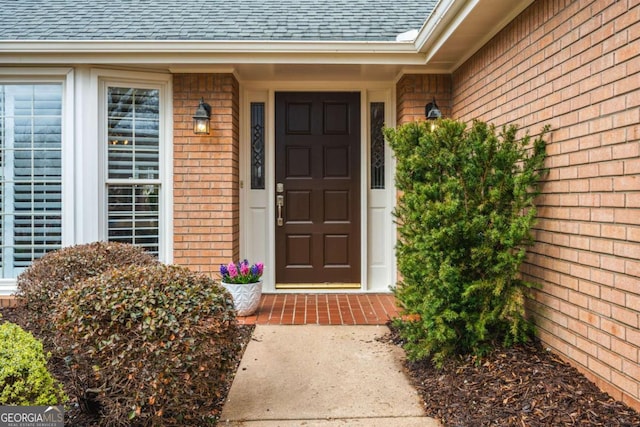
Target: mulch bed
520	386
73	415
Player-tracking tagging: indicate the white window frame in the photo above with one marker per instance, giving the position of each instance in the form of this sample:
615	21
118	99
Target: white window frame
161	82
65	77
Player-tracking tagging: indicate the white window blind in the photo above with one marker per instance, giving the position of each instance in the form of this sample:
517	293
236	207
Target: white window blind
31	168
133	166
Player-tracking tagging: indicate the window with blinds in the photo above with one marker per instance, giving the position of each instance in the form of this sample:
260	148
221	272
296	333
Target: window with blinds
31	174
133	166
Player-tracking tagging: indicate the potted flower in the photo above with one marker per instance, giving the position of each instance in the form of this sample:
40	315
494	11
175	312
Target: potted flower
244	283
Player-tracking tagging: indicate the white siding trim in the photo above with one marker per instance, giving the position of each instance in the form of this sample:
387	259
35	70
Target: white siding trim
257	241
65	76
100	79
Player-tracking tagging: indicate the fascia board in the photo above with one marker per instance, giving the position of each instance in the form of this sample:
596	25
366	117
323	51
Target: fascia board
178	52
449	16
113	46
442	22
520	7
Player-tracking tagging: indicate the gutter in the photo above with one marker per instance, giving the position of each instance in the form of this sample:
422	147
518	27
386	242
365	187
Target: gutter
443	21
178	46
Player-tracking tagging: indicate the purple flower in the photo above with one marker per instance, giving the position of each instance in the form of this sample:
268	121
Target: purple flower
241	272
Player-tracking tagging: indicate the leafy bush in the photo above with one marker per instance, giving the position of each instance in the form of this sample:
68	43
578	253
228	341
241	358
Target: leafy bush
24	378
149	344
40	285
465	211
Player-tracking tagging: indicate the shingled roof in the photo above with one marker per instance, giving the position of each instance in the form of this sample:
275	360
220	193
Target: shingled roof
247	20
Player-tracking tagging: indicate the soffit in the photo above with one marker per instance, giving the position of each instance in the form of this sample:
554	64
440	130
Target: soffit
457	29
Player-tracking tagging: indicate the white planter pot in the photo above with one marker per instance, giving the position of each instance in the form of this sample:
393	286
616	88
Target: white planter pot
246	297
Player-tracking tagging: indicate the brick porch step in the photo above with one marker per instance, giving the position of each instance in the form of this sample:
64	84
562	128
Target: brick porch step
323	309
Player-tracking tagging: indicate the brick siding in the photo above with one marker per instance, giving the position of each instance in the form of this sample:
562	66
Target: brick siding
7	301
414	91
206	184
576	66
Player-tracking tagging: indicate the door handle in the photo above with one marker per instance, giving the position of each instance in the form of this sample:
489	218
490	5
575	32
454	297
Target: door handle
280	204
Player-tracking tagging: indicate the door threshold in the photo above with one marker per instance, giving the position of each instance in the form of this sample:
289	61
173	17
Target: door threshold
318	286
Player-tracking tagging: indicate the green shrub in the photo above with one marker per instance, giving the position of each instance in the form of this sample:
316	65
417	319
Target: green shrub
24	378
40	285
465	211
150	344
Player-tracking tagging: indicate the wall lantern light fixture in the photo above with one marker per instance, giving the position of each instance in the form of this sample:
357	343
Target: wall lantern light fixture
202	118
431	111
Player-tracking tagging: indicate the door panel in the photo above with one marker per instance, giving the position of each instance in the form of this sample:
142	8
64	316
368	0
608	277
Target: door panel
317	162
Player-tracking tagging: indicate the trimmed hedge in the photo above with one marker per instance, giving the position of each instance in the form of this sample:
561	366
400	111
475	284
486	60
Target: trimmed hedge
148	345
24	378
40	285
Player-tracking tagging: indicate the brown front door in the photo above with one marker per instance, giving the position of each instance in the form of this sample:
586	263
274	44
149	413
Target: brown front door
318	187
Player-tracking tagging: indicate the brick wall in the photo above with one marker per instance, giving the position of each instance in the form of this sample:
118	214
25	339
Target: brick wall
576	66
7	301
414	91
206	189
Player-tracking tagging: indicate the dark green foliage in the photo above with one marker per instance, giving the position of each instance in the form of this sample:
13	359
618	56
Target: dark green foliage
148	345
40	285
24	378
465	211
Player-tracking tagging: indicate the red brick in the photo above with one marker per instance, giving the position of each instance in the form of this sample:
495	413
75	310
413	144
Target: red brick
627	216
633	234
613	200
628	150
206	204
625	315
599	368
596	72
612	264
626	383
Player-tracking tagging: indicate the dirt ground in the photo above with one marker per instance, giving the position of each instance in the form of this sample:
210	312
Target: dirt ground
73	415
524	386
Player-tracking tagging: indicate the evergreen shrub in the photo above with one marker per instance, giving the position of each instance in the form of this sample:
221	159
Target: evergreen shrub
46	278
24	377
148	345
464	215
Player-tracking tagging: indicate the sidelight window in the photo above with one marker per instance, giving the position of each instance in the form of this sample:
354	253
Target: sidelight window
257	146
377	145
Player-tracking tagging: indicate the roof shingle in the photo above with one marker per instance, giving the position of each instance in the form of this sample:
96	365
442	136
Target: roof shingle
211	20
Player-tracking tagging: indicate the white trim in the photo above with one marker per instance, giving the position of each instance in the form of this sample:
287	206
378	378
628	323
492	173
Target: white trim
101	79
382	237
65	77
265	92
520	7
204	46
364	189
449	16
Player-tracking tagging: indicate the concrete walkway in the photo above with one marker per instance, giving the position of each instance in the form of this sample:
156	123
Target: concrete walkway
322	376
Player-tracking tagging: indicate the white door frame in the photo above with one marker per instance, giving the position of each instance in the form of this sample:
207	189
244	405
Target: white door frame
257	207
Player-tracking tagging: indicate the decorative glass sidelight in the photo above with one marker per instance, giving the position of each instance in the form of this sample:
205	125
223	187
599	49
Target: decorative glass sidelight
257	146
377	145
